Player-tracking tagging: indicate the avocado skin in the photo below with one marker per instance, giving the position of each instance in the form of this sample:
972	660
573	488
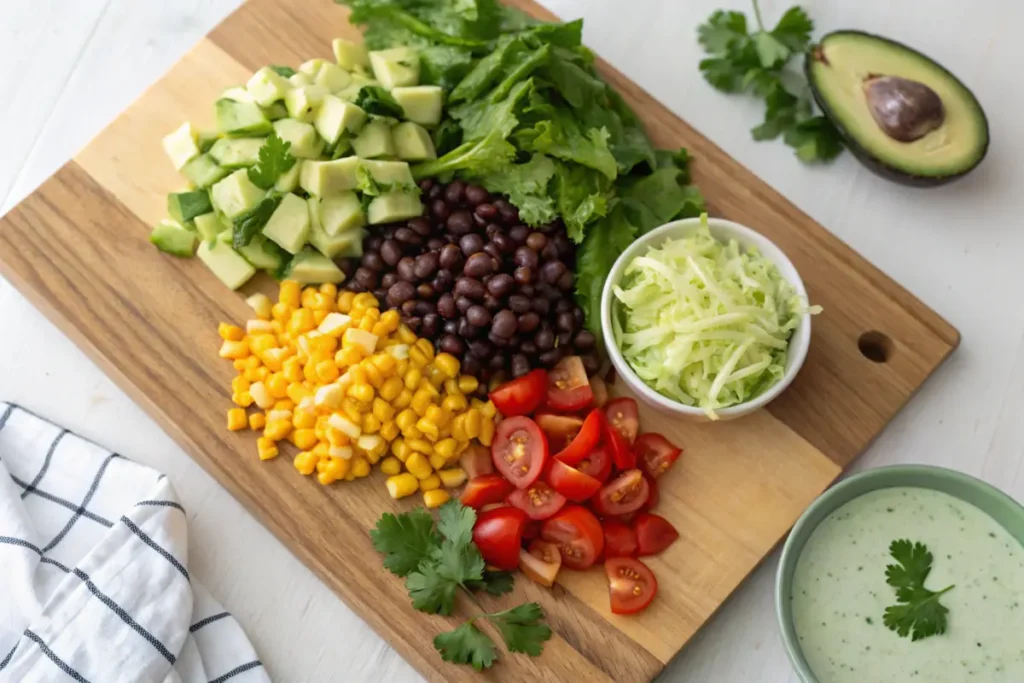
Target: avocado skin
866	158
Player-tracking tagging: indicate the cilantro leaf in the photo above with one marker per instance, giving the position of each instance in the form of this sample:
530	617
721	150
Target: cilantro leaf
274	161
375	100
494	582
722	31
406	540
245	227
431	590
522	629
794	29
467	645
815	139
919	614
770	50
284	71
455	522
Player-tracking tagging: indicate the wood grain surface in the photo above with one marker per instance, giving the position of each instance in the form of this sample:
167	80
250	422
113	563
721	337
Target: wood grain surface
78	249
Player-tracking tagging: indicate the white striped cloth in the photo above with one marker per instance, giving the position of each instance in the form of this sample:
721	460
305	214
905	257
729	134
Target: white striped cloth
94	582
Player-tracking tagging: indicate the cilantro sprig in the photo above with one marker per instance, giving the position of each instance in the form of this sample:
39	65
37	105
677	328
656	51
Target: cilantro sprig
274	161
438	561
919	613
743	61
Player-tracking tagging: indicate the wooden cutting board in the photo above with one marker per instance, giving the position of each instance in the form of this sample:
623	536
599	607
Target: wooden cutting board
78	249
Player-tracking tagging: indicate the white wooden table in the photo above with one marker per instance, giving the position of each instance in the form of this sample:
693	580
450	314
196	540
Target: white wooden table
70	66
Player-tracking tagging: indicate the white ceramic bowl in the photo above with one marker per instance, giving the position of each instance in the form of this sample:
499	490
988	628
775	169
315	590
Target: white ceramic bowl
722	230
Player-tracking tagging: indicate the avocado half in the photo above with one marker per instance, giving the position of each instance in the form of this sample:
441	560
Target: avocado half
902	114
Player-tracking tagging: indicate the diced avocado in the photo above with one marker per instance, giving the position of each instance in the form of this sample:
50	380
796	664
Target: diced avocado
289	180
299	79
374	140
238	94
351	91
305	143
337	116
262	253
329	178
235	195
172	238
206	139
226	237
227	264
289	224
208	226
181	146
267	87
276	111
397	67
355	248
310	267
412	142
341	213
422	103
241	119
312	67
344	243
184	206
203	171
303	101
389	172
349	55
237	152
332	77
394	206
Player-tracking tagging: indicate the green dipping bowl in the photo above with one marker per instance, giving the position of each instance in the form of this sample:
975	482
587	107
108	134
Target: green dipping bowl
1004	510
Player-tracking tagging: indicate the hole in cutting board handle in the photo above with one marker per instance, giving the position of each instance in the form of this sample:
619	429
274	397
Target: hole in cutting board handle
876	346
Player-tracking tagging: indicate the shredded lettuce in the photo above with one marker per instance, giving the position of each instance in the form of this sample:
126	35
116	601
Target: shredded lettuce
705	322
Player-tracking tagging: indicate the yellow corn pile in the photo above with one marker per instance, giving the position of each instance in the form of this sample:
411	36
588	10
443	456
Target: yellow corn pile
350	386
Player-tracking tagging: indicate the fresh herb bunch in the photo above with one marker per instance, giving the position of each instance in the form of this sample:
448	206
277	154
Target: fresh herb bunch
741	61
438	561
919	614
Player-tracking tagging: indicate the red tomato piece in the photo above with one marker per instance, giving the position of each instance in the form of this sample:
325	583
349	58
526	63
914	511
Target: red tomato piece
652	497
631	584
597	463
570	482
578	535
476	461
585	441
624	417
568	387
655	454
522	395
624	494
538	501
622	453
519	450
531	530
653	533
541	562
498	534
619	539
600	389
559	429
487	489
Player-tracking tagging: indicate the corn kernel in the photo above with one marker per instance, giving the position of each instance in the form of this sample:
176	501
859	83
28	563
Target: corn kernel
402	485
489	411
234	350
458	428
420	401
445	448
417	357
486	432
344	425
431	483
305	463
382	410
277	386
374	376
406	335
304	438
327	371
266	448
261	396
277	429
448	364
345	301
257	421
361	392
412	379
371	425
454	403
237	419
230	332
239	364
403	400
240	384
389	430
436	498
468	384
343	452
413	432
261	304
406	419
420	445
360	467
473	422
418	465
292	369
391	466
437	415
243	399
437	462
391	388
453	478
399	449
324	477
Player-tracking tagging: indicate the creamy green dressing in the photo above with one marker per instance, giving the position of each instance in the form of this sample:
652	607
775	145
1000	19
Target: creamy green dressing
840	593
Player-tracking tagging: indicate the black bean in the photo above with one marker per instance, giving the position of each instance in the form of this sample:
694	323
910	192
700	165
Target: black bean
440	210
497	341
519	303
519	233
408	236
431	325
407	268
450	327
408	307
509	213
425	291
471	365
501	284
399	293
366	277
450	256
520	365
435	243
480	349
467	331
452	344
492	229
563	340
549	252
435	192
426	184
529	322
497	362
505	244
478	265
523	275
463	303
528	347
481	390
460	222
527	290
387	232
551	357
381	293
565	322
349	266
485	212
421	226
492	303
564	305
544	339
536	241
478	315
454	193
476	195
549	292
426	265
443	281
469	287
590	363
563	244
471	244
390	252
413	323
541	305
584	341
446	306
388	279
551	271
504	324
526	257
566	282
373	243
515	341
354	286
423	308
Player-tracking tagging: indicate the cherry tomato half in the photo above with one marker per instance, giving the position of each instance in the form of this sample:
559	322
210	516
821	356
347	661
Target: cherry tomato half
619	539
653	533
621	451
570	482
578	535
623	494
624	417
597	463
498	533
531	530
521	396
568	387
585	441
538	500
519	450
653	496
541	562
631	584
486	489
559	429
655	454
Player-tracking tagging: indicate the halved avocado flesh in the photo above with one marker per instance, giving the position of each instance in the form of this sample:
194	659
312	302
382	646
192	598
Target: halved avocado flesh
902	114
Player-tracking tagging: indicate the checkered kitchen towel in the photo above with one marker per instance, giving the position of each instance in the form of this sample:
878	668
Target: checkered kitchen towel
94	582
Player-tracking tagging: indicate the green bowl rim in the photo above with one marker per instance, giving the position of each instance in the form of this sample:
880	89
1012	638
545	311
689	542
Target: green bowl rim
790	553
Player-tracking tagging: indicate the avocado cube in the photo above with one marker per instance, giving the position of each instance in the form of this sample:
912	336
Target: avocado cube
412	142
206	139
262	253
328	245
184	206
203	171
238	94
237	152
171	238
241	119
305	143
389	172
340	149
302	102
374	140
266	86
289	224
422	103
329	178
396	67
208	226
299	79
276	111
181	146
341	213
349	55
337	116
312	67
394	206
227	264
235	195
289	180
332	77
308	267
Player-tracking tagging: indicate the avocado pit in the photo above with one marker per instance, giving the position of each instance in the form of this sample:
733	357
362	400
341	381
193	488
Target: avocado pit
905	110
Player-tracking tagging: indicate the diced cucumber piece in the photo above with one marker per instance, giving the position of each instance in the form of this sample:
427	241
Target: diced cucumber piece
305	143
344	243
329	178
267	87
208	226
238	94
172	238
203	171
289	180
289	224
341	213
412	142
181	146
303	101
184	206
309	267
396	67
235	195
422	103
337	116
389	172
332	77
349	55
312	67
276	111
227	264
262	253
374	140
241	119
298	79
206	139
394	206
237	152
